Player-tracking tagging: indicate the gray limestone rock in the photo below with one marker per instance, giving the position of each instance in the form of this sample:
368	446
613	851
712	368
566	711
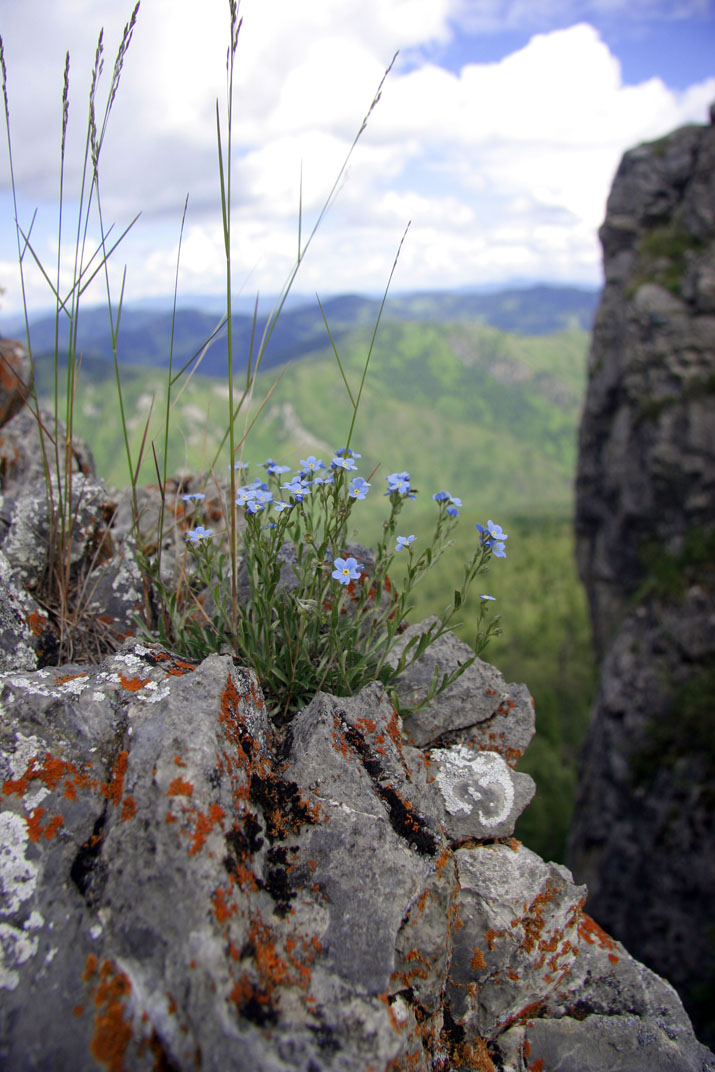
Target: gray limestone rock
519	936
22	623
598	1044
181	883
479	709
647	437
644	825
106	592
21	451
31	516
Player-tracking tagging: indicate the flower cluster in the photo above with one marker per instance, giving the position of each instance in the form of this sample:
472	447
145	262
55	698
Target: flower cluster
333	624
453	503
493	538
400	483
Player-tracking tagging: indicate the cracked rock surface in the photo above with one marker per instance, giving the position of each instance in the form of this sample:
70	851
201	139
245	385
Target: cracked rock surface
183	887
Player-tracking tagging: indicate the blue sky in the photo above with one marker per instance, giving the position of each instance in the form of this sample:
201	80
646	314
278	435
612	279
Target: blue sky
497	135
678	50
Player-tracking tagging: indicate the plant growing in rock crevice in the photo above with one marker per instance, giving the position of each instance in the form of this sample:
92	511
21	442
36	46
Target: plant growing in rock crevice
314	611
291	598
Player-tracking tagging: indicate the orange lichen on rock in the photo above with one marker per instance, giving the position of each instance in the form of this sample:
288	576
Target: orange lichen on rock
112	1033
396	1025
591	933
129	809
393	729
204	826
37	623
339	738
473	1055
177	667
533	1066
255	987
418	968
34	824
512	756
180	787
256	696
302	959
534	923
231	720
366	725
91	966
114	788
222	910
478	961
490	936
133	684
50	773
244	878
407	1062
64	678
272	969
53	826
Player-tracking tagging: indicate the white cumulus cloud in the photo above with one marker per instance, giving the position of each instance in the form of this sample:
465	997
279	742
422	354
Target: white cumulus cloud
503	167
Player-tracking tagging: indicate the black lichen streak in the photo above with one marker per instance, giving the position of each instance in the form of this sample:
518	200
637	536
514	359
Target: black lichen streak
284	810
405	821
277	878
258	1009
243	841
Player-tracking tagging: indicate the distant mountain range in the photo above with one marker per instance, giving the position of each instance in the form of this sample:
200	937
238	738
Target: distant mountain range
145	333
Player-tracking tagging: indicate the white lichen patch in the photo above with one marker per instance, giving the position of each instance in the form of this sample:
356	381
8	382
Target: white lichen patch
128	659
470	780
75	686
27	749
18	876
16	948
41	683
22	680
152	692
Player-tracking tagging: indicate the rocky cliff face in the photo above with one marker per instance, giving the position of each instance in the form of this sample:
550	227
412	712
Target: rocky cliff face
644	827
184	887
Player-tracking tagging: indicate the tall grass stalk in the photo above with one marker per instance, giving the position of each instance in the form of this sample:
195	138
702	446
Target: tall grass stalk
170	382
254	362
327	631
86	263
